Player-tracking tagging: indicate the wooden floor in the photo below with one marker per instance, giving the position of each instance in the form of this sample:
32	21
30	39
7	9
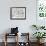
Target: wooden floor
13	44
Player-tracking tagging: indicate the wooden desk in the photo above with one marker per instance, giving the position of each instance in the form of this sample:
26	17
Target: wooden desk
17	43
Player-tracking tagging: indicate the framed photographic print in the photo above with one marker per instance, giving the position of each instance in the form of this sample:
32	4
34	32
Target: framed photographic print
18	13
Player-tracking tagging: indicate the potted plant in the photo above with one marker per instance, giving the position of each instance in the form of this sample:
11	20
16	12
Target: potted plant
39	35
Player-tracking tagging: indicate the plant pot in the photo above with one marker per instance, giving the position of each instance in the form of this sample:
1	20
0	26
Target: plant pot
40	41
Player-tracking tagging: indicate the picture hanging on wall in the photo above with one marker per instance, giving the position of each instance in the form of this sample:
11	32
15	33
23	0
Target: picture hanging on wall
18	13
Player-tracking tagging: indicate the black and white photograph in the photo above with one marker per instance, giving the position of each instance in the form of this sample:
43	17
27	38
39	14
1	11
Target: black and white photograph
18	13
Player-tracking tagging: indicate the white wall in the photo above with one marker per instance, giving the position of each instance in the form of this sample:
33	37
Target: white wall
24	25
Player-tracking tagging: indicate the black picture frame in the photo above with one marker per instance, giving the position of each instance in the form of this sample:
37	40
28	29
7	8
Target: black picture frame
18	11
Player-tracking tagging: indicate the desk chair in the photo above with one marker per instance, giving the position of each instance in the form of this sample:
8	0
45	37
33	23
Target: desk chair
25	37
